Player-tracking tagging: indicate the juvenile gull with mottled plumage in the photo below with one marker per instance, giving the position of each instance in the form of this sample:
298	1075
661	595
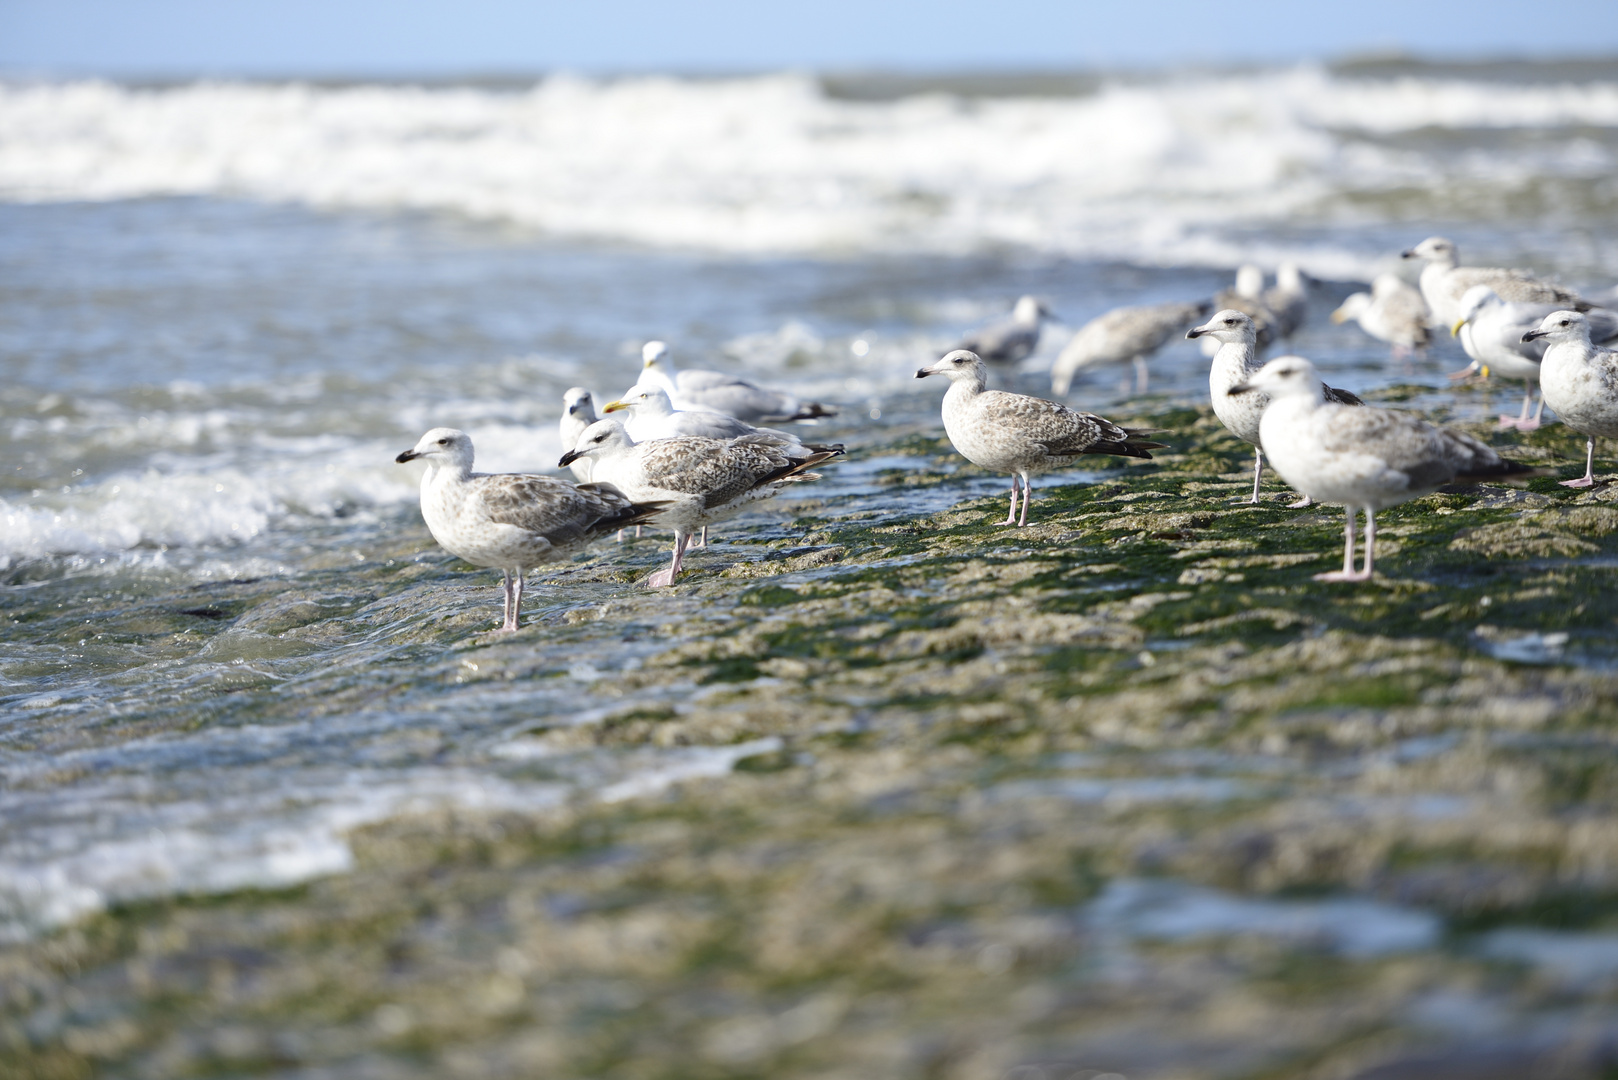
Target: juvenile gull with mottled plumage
699	481
1020	434
1234	363
1363	458
511	521
1123	334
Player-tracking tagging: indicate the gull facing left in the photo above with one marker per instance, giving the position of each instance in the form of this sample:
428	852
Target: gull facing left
511	521
1361	457
1020	434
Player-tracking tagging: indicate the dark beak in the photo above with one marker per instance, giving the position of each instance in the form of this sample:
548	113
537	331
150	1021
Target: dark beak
923	373
408	455
1194	333
568	458
1409	254
1240	388
1534	335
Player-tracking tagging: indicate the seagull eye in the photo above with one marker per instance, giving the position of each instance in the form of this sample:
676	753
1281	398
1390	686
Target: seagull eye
443	442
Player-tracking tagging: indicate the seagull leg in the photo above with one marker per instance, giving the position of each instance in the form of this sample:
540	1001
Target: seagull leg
1522	417
516	603
1370	544
1258	471
704	541
508	621
1301	503
1011	515
1025	489
664	578
1467	371
1589	477
1140	374
1347	572
1538	412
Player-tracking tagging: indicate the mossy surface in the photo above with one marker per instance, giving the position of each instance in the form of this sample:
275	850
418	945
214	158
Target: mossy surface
972	743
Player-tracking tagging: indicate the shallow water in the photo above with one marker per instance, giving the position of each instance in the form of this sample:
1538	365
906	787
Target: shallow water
1132	751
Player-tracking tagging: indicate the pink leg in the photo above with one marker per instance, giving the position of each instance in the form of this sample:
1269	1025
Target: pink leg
1347	573
664	578
1025	487
1521	421
1140	375
1301	503
1011	515
513	598
1589	477
1258	471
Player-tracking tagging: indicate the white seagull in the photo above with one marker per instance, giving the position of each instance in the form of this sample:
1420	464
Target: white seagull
1234	364
511	521
1580	381
578	413
1019	434
1444	281
1123	334
1363	458
715	390
697	481
1009	340
1392	312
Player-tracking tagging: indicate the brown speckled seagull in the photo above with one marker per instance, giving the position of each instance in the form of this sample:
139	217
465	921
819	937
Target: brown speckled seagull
1020	434
511	521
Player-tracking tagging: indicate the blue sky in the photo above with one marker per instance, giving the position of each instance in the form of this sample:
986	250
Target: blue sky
380	37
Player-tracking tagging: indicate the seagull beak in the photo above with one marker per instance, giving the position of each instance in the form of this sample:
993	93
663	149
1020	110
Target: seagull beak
1456	329
408	455
1339	316
1195	332
568	458
923	373
614	406
1534	335
1409	253
1241	388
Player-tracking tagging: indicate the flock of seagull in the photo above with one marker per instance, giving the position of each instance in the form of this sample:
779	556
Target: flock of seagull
685	449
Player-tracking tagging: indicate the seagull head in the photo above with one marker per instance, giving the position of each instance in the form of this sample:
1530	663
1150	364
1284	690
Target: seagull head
958	366
1291	278
441	446
1434	249
1356	305
1561	326
1229	326
1030	310
1476	299
1285	376
577	402
645	400
600	438
1249	281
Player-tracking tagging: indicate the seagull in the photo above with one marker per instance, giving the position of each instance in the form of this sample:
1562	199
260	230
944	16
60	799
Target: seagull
697	481
1364	458
1289	299
1009	340
1444	282
1491	331
511	521
649	414
723	393
578	413
1126	333
1020	434
1580	381
1392	312
1246	297
1234	364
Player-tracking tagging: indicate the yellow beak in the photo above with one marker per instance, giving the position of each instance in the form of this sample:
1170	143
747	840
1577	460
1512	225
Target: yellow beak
1338	316
614	406
1456	329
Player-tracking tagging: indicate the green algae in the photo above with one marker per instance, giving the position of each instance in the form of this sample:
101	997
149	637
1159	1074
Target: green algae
891	891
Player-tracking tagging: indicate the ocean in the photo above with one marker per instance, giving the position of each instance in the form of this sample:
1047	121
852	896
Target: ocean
226	305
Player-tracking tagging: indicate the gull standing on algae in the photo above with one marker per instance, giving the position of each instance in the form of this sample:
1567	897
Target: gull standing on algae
697	481
1020	434
1364	458
511	521
1234	364
1580	381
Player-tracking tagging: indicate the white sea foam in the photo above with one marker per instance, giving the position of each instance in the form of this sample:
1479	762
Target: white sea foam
1162	171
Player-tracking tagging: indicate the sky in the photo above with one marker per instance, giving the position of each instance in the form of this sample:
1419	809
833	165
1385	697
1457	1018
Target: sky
450	37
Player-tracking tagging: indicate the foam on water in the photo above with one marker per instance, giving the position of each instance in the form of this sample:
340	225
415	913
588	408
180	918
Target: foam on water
1177	170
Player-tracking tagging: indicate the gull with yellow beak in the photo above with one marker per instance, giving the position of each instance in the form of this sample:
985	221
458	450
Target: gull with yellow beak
723	393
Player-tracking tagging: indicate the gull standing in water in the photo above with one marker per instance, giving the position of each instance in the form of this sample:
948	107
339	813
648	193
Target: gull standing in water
1392	312
1580	381
1364	458
698	481
1010	340
1491	331
723	393
1123	334
1234	364
650	415
511	521
1020	434
578	413
1444	282
1289	299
